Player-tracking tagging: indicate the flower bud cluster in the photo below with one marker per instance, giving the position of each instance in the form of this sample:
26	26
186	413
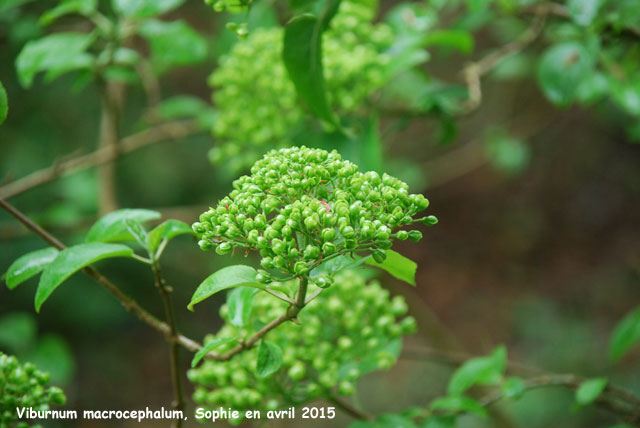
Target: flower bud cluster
258	108
22	385
301	206
344	333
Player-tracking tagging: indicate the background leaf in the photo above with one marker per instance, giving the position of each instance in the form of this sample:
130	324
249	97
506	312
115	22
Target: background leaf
562	69
302	55
173	44
590	390
459	404
29	265
479	371
224	279
17	331
269	359
113	226
56	53
4	104
71	260
144	8
513	387
583	11
459	40
66	7
625	335
398	266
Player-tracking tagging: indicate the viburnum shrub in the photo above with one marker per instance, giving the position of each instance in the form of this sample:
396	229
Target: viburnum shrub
23	386
347	331
259	109
302	206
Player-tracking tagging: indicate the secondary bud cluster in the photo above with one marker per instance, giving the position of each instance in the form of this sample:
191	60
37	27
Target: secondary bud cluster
344	333
301	206
258	108
22	385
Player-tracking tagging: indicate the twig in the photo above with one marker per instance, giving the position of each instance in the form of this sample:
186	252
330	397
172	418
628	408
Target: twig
177	129
108	141
541	379
165	294
474	71
350	409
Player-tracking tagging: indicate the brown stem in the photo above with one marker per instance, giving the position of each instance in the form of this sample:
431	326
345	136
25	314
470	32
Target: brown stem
103	155
174	358
108	140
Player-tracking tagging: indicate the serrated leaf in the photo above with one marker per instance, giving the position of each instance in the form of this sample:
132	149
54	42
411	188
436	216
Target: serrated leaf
479	371
513	387
113	227
398	266
210	346
28	266
66	7
71	260
269	359
562	69
17	331
590	390
302	55
4	104
625	335
144	8
224	279
173	44
167	230
56	53
239	301
459	404
583	11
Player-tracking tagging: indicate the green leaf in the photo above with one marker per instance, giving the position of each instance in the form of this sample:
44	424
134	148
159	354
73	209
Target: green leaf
625	335
173	44
583	11
239	301
181	106
398	266
137	231
269	359
17	331
479	371
4	104
302	55
444	421
391	420
8	4
53	355
590	390
224	279
144	8
167	230
507	154
513	387
113	226
562	69
371	147
460	40
459	404
71	260
210	346
56	53
28	265
66	7
336	264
